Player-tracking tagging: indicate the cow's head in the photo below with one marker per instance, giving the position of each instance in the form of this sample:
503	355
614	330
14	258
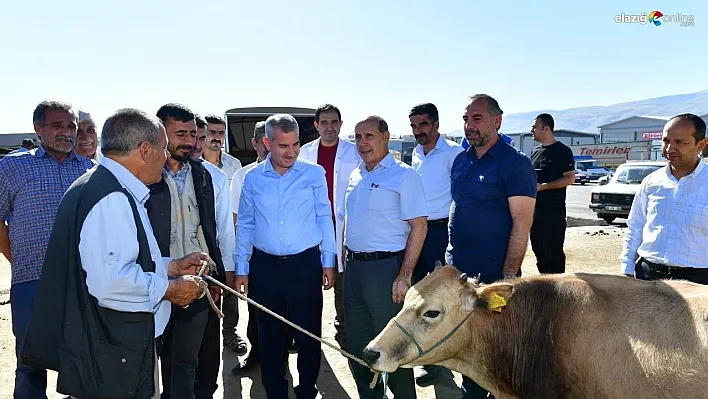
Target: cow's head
444	301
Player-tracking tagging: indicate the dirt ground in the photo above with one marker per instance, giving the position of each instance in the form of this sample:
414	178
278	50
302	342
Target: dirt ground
592	249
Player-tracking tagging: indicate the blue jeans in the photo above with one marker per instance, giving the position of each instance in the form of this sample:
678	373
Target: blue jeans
30	382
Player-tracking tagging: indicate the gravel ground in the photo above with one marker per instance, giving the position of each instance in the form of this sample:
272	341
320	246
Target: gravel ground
592	249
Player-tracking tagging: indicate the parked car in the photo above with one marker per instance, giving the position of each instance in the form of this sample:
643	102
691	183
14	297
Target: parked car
604	180
582	178
615	198
588	165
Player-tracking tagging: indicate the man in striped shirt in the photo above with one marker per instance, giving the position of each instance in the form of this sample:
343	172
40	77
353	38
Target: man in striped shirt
32	184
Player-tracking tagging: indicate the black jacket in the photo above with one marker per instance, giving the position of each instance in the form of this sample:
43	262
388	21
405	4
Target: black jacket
98	352
159	208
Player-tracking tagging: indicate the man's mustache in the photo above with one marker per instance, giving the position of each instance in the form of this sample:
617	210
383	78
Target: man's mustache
65	139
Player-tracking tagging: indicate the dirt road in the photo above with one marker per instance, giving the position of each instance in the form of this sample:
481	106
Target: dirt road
588	249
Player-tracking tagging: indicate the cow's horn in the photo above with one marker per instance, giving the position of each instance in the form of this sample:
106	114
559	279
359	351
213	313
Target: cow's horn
463	278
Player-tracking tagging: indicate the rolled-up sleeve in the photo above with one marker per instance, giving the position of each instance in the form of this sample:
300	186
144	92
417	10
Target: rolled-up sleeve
245	229
323	213
412	196
109	250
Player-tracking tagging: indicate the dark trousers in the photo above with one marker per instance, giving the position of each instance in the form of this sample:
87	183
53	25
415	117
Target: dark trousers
547	238
180	355
339	307
252	332
291	287
368	307
30	382
433	249
230	309
645	272
207	373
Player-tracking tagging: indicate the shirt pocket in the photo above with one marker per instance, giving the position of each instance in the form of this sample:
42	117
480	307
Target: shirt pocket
382	199
487	187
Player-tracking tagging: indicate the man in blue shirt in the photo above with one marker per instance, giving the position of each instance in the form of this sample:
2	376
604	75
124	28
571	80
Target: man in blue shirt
286	252
493	198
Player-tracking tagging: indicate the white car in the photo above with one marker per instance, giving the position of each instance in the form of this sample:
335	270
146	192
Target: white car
615	198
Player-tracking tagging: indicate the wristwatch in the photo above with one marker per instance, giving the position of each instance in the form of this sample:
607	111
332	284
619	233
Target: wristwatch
509	277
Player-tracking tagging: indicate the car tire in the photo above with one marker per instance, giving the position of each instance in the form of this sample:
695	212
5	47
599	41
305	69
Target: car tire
608	218
582	183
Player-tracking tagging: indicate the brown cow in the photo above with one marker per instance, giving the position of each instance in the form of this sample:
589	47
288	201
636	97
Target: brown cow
555	336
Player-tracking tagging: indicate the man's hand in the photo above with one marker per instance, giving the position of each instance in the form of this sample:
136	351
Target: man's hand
400	287
540	187
189	265
328	277
241	284
183	291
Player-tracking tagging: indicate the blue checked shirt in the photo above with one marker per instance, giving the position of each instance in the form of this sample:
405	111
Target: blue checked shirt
32	184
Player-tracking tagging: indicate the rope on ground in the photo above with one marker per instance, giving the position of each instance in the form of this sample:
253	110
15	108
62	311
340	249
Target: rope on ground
384	375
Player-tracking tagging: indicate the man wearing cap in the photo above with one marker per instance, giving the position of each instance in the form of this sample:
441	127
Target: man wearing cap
385	223
86	137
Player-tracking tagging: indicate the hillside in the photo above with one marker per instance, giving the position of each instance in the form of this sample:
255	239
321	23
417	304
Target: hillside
587	119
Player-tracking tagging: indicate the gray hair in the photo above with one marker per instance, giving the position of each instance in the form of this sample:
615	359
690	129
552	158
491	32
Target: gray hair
40	112
492	104
259	131
284	122
126	129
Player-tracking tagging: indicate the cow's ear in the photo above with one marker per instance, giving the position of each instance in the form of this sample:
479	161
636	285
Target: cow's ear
438	265
495	296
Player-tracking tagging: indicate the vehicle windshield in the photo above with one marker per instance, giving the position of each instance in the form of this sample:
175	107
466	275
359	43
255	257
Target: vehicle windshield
590	164
634	174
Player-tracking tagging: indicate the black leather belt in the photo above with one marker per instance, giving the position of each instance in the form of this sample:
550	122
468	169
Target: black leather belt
366	256
671	270
283	257
443	221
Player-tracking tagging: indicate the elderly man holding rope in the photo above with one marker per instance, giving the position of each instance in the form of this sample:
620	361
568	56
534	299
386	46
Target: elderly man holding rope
286	252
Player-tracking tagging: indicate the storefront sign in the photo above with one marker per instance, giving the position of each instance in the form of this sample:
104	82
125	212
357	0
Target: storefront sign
651	135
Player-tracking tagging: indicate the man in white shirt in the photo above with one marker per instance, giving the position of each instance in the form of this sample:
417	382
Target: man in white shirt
432	159
216	137
231	309
667	233
339	158
207	371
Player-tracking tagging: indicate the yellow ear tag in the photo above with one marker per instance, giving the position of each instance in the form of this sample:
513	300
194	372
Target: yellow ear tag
496	302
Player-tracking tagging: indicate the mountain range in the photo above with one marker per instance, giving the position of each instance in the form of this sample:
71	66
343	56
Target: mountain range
587	119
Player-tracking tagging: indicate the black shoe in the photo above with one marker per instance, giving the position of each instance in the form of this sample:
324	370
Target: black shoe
246	366
425	375
236	344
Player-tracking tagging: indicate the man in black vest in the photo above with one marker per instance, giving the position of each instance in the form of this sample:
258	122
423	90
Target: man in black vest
182	213
103	298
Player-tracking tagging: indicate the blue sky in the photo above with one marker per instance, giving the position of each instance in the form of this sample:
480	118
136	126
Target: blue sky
367	57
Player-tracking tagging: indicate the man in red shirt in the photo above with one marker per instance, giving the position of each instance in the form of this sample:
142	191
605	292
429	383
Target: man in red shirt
339	158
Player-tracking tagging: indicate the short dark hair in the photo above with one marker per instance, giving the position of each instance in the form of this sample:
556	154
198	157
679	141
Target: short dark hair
698	123
547	120
40	112
382	127
176	112
211	118
201	122
126	129
425	109
326	108
492	104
